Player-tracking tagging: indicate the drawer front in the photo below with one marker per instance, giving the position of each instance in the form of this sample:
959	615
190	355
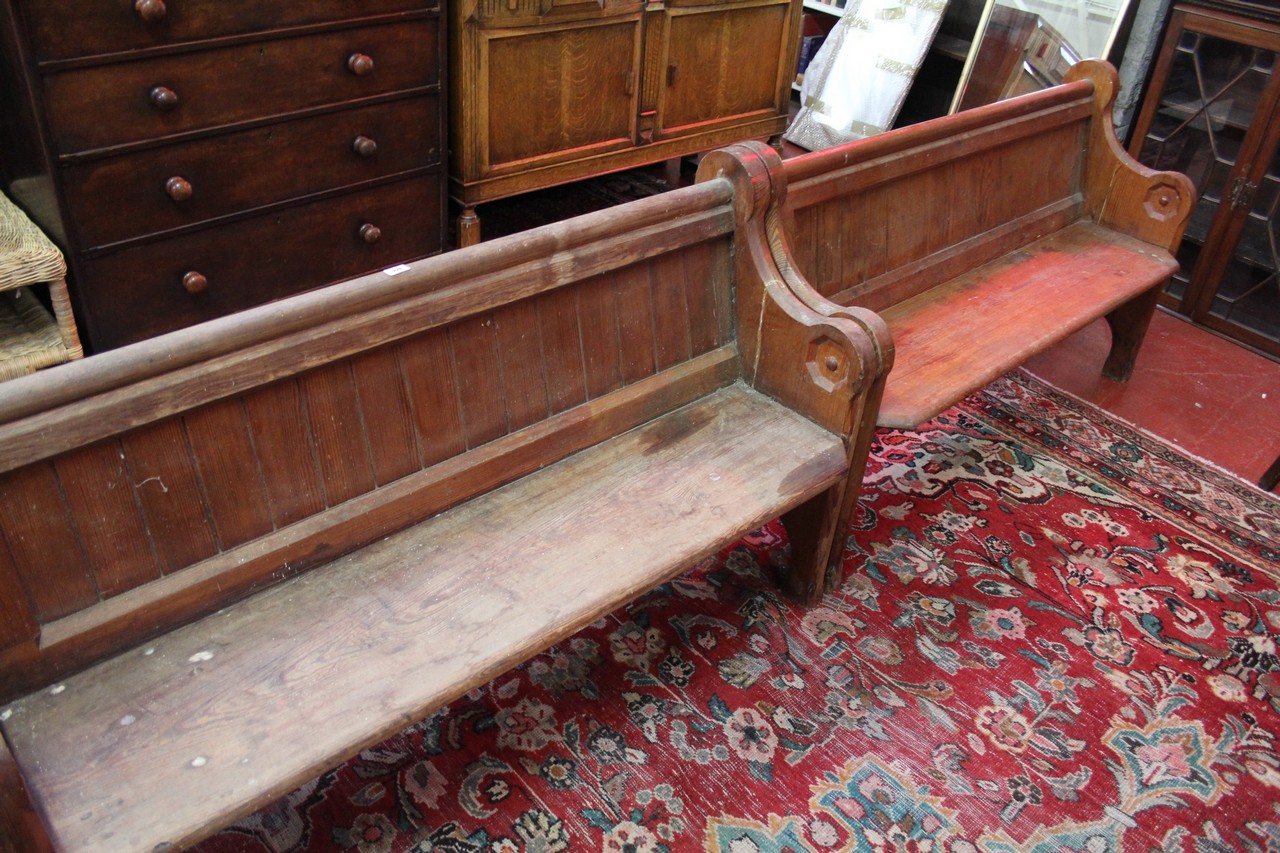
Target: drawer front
63	29
126	102
206	178
138	293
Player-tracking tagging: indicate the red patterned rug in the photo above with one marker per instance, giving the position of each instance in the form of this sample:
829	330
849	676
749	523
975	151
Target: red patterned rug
1055	634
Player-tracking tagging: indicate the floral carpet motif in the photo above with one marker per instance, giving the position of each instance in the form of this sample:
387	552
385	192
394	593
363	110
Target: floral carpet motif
1053	634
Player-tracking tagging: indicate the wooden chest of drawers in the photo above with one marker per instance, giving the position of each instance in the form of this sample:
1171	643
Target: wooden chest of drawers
197	157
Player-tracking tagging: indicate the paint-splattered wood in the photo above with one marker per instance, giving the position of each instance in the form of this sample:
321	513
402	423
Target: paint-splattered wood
173	738
944	340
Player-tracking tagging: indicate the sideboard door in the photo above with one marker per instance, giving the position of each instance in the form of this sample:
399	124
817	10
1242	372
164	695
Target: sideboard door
557	93
724	63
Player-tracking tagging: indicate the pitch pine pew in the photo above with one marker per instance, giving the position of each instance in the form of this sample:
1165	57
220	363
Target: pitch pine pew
236	555
982	238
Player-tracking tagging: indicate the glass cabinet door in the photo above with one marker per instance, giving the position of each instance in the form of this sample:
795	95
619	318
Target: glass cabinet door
1208	113
1245	299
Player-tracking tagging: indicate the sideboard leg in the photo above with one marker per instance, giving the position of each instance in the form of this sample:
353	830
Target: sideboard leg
468	227
20	828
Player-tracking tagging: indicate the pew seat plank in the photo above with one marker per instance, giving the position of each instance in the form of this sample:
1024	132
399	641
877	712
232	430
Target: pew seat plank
170	740
957	337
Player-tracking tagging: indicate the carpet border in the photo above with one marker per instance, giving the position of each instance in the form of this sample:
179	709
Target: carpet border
1169	444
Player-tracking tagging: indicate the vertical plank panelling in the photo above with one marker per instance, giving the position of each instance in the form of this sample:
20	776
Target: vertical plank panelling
829	274
936	183
562	348
962	224
17	616
225	460
670	308
635	322
950	195
429	373
519	342
384	400
278	427
905	213
475	357
43	542
102	502
337	430
720	284
1052	184
701	281
164	475
804	243
598	317
865	231
992	192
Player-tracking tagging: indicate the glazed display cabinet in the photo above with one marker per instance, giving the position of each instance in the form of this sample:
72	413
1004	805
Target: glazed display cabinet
544	92
1211	111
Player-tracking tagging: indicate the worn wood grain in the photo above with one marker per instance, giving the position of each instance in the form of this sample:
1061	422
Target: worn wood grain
18	622
539	558
100	497
90	632
278	427
43	541
562	348
475	358
1082	271
101	397
21	830
598	317
387	414
522	368
635	319
338	435
229	473
168	492
433	387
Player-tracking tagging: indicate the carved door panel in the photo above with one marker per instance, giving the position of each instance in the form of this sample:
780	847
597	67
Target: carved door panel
723	63
559	93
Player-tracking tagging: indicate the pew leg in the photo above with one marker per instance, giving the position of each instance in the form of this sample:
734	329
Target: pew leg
814	529
817	528
20	828
1129	324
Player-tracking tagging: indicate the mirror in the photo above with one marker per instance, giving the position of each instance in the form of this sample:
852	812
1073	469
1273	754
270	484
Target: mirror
1024	45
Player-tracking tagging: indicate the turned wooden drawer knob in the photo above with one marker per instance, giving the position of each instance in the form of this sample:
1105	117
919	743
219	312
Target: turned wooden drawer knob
193	282
364	146
177	188
150	10
370	233
163	98
360	64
